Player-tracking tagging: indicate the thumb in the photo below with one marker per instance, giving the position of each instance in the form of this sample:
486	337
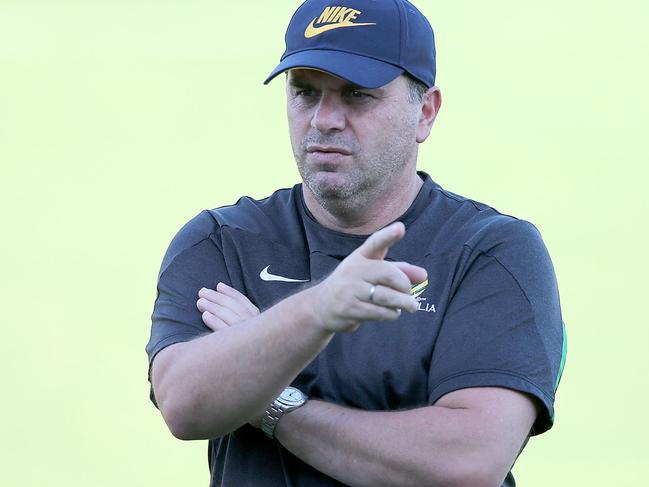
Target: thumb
377	245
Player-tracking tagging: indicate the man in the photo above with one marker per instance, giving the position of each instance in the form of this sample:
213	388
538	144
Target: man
423	355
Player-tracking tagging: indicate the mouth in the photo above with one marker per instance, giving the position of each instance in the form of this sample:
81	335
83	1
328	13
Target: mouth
328	149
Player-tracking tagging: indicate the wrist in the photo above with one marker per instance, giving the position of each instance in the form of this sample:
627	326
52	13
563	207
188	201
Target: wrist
291	422
288	401
310	311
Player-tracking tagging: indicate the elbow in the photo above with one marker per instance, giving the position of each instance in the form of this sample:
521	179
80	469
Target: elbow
185	407
174	403
479	479
187	427
470	474
186	419
176	416
183	429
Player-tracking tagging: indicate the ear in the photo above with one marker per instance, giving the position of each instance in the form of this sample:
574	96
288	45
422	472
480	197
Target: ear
430	105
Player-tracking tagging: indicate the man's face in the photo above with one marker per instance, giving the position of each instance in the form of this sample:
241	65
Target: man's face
348	140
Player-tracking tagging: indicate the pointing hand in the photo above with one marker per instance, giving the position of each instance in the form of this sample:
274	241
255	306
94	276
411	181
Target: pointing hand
364	287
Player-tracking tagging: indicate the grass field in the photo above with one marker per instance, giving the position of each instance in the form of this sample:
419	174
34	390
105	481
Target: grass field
120	120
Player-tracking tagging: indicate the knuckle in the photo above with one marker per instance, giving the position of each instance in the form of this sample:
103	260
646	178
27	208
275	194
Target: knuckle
395	278
397	283
405	285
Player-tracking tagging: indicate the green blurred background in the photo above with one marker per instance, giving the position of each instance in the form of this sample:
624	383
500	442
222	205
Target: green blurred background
121	119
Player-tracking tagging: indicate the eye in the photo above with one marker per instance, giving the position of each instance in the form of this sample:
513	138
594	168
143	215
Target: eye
358	94
304	92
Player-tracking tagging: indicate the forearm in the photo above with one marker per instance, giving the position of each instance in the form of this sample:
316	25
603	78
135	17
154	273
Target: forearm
210	386
431	446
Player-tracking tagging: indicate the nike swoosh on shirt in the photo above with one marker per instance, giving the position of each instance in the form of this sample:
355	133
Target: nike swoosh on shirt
312	30
267	276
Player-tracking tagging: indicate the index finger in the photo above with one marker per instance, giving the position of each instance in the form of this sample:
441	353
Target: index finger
377	245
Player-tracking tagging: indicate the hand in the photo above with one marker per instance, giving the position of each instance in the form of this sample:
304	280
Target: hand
224	307
343	298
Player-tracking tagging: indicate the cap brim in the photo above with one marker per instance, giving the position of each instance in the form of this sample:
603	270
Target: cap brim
359	70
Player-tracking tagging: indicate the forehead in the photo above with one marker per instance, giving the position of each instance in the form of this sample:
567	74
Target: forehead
321	79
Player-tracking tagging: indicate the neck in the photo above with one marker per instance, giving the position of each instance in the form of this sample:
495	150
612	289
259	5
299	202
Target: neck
379	210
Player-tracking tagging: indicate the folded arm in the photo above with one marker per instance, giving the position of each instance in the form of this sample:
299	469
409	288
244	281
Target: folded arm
470	437
212	385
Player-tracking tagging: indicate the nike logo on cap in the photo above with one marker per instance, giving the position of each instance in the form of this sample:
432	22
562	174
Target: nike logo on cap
334	18
267	276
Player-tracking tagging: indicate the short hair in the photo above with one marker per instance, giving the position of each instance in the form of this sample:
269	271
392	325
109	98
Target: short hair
416	88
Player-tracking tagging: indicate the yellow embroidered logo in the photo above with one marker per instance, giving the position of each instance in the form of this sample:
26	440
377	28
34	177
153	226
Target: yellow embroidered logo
333	18
418	289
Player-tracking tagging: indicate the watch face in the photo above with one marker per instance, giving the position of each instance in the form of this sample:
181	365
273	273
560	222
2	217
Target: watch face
292	396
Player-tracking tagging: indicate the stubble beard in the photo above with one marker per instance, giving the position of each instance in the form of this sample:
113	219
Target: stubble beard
365	180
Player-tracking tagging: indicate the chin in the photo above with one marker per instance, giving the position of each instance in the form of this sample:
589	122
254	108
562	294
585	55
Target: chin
329	185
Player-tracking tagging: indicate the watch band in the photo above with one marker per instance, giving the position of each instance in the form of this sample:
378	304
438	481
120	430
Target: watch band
289	400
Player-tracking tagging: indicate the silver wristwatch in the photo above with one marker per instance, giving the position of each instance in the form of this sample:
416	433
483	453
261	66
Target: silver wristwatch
290	399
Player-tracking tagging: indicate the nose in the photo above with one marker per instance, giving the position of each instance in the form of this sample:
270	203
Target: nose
329	114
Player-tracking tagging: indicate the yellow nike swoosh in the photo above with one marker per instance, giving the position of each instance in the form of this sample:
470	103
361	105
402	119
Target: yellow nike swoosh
312	30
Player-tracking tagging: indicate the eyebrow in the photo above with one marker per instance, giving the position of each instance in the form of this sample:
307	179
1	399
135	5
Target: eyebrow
298	82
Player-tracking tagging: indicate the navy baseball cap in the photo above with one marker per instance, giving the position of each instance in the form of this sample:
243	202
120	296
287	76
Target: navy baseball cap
366	42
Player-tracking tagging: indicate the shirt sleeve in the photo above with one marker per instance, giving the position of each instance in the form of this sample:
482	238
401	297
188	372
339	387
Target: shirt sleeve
192	261
503	325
